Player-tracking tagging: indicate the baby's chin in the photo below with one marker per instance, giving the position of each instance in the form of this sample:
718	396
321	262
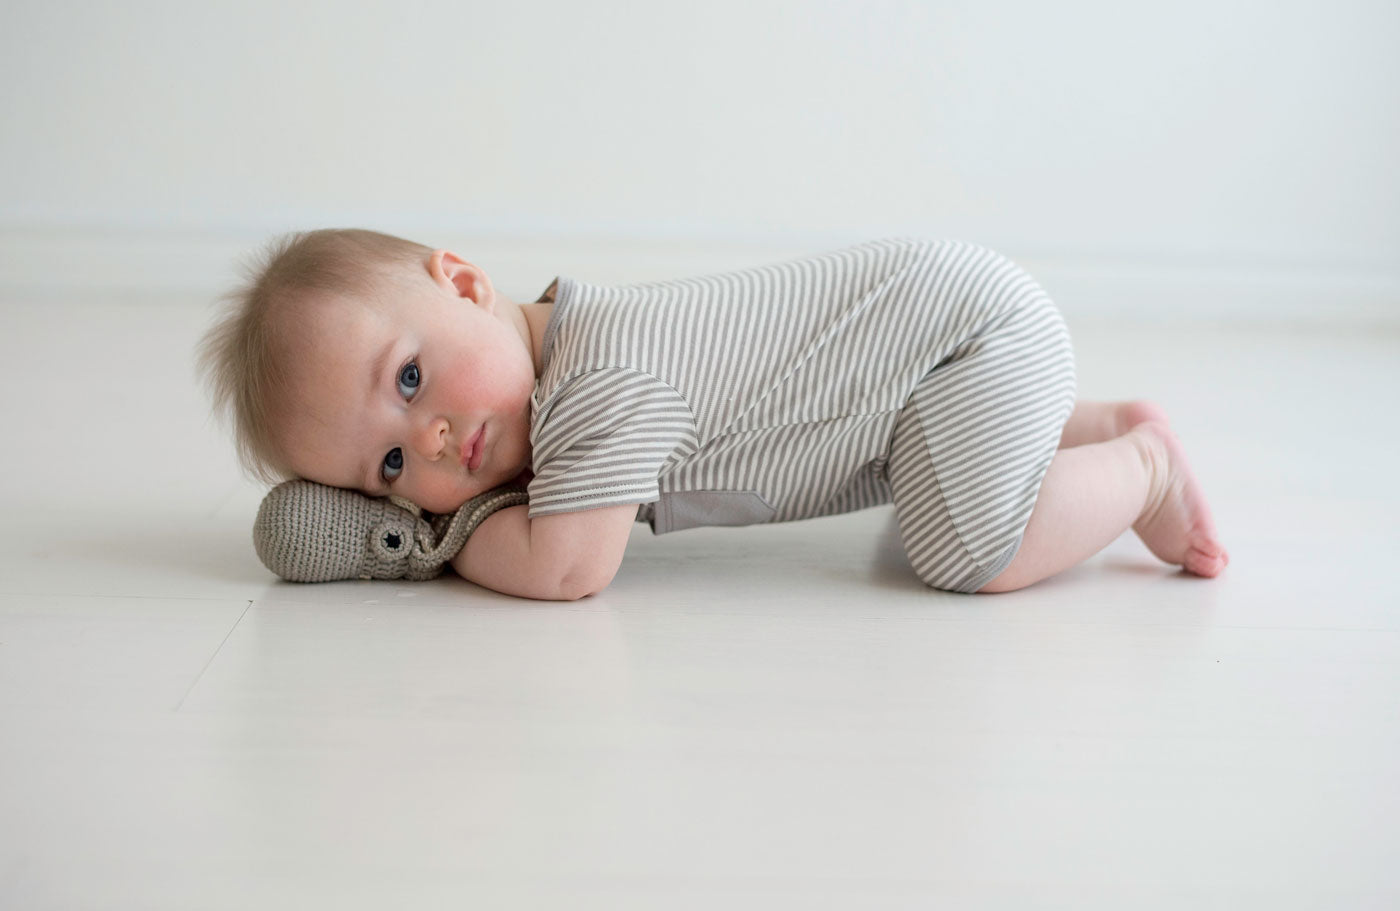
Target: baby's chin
455	503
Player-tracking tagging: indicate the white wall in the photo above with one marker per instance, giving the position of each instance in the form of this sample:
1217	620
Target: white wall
1203	137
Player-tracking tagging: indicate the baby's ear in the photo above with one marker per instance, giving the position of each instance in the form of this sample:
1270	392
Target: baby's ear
467	280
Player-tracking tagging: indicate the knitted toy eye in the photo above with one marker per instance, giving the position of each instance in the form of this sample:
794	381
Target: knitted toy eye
390	539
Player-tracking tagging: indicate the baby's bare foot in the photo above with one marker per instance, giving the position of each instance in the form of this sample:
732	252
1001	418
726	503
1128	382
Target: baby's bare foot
1176	524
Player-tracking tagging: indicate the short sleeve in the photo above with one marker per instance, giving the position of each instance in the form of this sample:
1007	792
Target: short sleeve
602	438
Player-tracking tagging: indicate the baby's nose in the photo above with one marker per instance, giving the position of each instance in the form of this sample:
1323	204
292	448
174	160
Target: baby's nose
432	438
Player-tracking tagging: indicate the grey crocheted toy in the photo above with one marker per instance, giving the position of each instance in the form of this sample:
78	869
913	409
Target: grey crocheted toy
308	532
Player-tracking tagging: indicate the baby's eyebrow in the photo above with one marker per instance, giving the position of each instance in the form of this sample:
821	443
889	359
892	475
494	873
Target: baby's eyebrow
377	365
371	483
369	473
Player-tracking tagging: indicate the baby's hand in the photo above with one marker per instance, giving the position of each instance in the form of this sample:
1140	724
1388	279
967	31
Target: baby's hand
309	532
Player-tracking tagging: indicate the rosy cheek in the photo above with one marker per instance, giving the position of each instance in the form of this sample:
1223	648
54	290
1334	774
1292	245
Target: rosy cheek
461	391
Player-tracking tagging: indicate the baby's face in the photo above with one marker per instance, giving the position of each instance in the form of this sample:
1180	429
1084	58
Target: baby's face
427	397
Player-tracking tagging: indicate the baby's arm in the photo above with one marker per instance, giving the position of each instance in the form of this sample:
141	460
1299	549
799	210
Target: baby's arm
552	558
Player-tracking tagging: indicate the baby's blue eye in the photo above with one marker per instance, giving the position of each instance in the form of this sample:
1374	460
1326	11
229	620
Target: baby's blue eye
409	380
393	464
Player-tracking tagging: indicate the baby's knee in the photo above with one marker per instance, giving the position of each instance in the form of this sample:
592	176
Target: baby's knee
954	580
1005	582
958	573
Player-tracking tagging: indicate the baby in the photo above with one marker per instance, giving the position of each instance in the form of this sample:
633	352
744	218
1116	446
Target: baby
934	374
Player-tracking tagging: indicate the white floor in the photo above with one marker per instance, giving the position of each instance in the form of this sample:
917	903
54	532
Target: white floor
768	717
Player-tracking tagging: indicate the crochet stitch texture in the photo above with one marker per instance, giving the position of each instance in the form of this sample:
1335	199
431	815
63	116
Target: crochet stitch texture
309	532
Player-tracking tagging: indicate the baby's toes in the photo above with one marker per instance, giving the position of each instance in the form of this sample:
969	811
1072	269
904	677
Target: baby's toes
1203	564
1206	544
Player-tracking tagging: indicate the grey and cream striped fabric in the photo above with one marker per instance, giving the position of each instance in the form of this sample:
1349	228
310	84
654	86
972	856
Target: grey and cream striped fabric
773	393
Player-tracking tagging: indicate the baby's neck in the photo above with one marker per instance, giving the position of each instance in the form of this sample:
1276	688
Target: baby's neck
530	321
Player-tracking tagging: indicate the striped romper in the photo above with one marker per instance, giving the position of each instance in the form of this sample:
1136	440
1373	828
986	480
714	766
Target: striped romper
936	374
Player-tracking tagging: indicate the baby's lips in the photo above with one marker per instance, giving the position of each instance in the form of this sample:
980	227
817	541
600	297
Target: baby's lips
472	449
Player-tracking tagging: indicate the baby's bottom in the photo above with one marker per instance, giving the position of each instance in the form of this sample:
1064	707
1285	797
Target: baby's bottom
1119	467
973	442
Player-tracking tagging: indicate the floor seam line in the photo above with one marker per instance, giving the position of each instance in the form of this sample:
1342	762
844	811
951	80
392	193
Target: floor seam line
205	669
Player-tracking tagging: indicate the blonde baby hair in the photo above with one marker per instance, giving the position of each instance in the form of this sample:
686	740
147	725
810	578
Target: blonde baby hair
242	357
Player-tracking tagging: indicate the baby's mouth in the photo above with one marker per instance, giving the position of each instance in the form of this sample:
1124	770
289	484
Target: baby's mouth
472	449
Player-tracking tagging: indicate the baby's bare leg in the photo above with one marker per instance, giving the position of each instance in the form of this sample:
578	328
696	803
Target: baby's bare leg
1093	493
1099	422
